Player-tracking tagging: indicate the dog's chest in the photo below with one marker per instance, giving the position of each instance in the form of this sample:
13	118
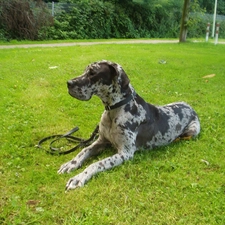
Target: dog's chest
107	124
110	126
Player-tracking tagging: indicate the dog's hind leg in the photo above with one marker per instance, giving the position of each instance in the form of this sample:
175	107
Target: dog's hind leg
192	130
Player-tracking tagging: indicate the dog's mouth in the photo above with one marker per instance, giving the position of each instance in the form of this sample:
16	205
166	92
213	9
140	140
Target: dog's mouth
78	94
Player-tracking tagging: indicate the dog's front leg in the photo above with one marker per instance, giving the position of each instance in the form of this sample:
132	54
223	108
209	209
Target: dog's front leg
94	149
105	164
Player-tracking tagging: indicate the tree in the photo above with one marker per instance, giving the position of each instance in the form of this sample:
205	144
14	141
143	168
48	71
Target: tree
184	20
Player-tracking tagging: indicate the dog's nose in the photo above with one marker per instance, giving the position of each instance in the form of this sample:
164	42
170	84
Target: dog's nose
70	83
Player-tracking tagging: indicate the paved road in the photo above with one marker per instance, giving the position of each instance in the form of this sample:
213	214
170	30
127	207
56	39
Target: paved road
92	43
88	43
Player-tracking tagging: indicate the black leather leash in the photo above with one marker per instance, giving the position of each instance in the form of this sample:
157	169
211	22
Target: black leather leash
60	150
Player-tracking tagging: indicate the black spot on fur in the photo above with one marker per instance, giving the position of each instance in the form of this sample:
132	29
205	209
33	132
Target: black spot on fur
131	125
101	164
178	127
127	108
162	122
178	110
131	108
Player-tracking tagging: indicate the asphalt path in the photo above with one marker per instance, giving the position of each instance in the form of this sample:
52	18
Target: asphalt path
93	43
88	43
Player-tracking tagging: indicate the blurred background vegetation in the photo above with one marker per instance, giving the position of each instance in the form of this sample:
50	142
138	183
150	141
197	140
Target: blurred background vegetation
98	19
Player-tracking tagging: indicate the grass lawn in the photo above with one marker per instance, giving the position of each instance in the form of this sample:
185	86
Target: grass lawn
183	183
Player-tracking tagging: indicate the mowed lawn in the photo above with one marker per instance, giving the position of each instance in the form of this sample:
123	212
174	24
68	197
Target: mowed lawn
183	183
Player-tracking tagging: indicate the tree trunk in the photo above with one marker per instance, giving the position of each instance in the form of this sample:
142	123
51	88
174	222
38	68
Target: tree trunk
184	20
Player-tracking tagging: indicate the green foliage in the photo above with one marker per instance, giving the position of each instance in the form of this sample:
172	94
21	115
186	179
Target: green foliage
178	184
94	19
97	19
209	6
195	19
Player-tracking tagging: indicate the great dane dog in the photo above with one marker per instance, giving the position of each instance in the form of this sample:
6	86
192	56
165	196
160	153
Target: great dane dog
128	122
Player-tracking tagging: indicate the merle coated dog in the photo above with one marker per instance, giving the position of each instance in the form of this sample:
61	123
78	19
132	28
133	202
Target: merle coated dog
128	122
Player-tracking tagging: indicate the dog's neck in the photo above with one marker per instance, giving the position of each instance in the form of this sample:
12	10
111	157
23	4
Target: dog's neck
121	103
117	99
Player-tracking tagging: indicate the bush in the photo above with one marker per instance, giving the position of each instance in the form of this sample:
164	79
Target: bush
22	19
97	19
94	19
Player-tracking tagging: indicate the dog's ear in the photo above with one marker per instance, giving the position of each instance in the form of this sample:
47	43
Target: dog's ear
124	80
120	76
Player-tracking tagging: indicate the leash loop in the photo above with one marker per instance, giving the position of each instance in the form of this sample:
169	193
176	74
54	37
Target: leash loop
68	136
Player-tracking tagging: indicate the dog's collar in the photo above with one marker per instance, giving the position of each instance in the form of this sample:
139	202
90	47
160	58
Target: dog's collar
123	102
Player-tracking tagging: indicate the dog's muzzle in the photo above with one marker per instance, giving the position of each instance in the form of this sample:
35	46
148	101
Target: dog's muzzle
79	89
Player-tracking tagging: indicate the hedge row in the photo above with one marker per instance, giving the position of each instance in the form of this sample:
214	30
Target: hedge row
96	19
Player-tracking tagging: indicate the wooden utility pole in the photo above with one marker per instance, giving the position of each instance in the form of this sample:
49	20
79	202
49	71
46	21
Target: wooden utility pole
184	20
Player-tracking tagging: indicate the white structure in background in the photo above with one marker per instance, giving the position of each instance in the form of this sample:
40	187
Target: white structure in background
214	19
207	32
53	8
217	33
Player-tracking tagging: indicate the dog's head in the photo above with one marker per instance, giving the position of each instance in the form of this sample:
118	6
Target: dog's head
104	79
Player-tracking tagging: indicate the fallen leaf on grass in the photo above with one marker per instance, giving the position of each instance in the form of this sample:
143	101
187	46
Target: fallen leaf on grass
209	76
204	161
53	67
33	203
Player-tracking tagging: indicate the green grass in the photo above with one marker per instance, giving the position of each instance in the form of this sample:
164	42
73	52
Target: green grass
168	185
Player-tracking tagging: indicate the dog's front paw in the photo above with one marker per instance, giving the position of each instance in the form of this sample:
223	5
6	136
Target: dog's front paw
68	167
75	182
